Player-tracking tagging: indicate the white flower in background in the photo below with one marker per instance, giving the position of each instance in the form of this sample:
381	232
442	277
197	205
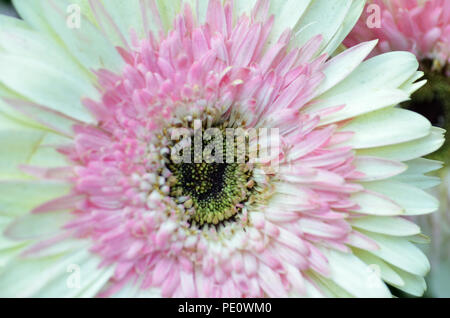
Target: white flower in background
86	180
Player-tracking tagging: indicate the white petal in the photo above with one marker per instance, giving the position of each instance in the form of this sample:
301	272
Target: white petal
4	221
358	240
20	196
86	43
329	288
21	144
413	284
386	272
408	150
18	39
242	6
422	165
350	273
129	290
95	282
414	175
32	226
386	127
46	155
371	203
419	239
419	181
287	15
6	243
319	228
357	102
324	17
53	246
25	278
91	280
7	111
400	252
339	67
388	70
128	15
413	200
44	117
395	226
377	168
46	85
416	76
17	145
200	8
377	78
410	86
168	11
352	17
7	255
312	291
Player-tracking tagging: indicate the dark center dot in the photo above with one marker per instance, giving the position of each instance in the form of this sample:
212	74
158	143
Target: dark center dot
212	192
202	180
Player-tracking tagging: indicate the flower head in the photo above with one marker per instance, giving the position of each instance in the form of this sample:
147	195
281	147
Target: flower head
420	27
97	131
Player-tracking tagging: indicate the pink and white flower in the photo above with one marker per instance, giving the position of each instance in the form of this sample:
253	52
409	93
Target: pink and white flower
86	180
421	27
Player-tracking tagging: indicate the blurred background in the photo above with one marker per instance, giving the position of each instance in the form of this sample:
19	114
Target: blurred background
436	226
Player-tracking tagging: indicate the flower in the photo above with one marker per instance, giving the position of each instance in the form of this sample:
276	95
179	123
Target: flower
421	27
96	205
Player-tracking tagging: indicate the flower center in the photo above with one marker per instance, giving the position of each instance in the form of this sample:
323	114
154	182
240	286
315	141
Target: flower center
211	187
215	192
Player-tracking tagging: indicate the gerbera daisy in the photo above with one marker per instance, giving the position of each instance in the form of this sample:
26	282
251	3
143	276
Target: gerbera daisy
90	187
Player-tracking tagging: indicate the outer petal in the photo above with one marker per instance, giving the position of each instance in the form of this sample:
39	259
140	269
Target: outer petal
387	272
375	168
46	85
50	276
415	174
87	43
349	272
413	200
395	226
21	196
341	66
387	127
401	253
375	89
409	150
